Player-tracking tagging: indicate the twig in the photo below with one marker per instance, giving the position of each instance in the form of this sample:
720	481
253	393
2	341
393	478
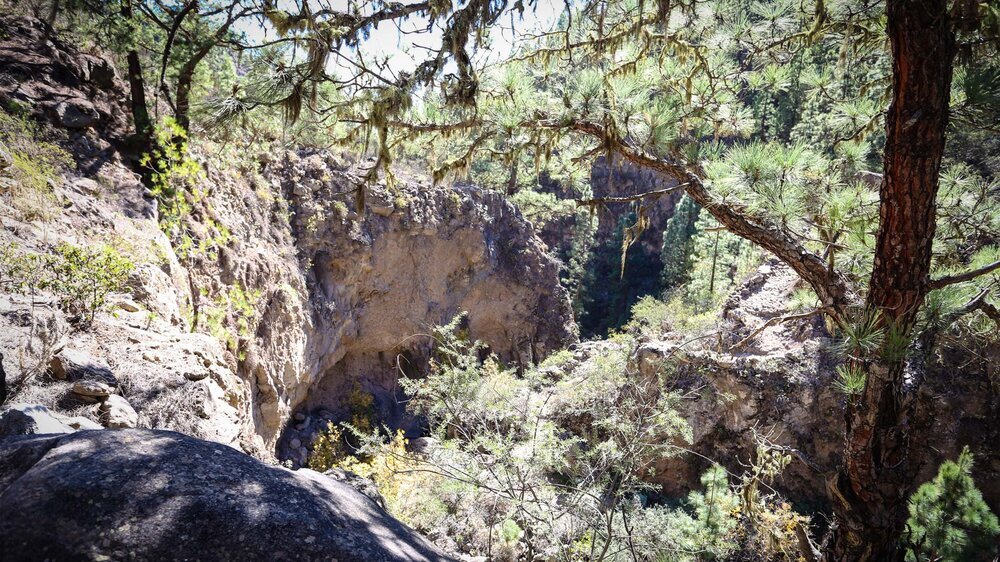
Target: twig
777	319
656	193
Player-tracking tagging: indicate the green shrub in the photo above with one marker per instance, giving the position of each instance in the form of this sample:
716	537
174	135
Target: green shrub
232	315
649	317
172	173
703	531
82	278
556	461
557	359
328	449
949	521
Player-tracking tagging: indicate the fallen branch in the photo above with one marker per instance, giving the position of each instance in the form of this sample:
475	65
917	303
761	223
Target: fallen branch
990	310
776	320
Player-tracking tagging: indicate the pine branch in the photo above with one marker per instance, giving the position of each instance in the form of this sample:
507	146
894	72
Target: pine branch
962	277
776	320
833	288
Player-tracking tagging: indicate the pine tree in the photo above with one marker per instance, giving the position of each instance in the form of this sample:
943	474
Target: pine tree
677	244
949	521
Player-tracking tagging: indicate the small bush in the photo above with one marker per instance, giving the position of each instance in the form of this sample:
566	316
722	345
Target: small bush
650	317
232	315
172	173
557	359
82	278
328	450
406	484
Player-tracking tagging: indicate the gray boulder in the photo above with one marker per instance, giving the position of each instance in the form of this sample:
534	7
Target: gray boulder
73	365
30	419
117	413
364	485
158	495
91	391
77	114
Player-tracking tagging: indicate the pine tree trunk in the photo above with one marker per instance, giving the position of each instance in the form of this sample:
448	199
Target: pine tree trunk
137	93
182	105
876	478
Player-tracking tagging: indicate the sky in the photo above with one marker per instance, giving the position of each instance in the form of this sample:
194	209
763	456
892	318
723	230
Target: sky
403	44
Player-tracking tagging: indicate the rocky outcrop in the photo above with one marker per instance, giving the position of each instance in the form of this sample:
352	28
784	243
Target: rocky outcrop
378	282
26	419
128	359
343	301
272	295
781	384
158	495
54	81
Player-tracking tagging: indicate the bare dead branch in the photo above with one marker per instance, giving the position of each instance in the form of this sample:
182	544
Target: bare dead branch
654	194
776	320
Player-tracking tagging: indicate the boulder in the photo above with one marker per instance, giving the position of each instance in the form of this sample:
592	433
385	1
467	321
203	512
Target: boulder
196	375
77	114
101	72
91	391
364	485
159	495
128	305
382	210
86	186
30	419
117	413
73	365
424	445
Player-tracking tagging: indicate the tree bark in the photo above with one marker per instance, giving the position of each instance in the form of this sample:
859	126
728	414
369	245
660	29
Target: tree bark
872	487
137	93
182	98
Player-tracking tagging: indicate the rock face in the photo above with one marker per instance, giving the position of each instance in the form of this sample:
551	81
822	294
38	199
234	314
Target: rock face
278	296
158	495
377	281
57	82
